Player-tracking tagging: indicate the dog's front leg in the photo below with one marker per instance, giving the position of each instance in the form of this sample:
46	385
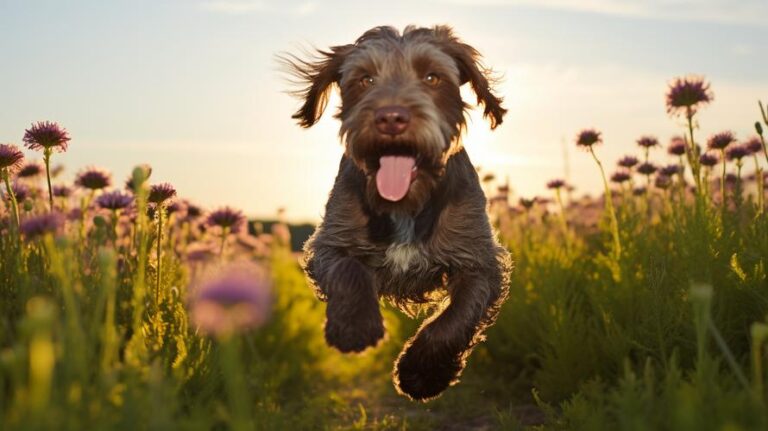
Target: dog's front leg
353	319
433	359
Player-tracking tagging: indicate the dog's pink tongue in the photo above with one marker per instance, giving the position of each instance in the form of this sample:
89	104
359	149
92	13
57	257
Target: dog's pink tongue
394	176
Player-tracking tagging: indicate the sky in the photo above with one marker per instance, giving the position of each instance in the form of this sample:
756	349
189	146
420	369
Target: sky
192	87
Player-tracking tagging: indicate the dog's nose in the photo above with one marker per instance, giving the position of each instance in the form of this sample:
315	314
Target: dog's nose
392	120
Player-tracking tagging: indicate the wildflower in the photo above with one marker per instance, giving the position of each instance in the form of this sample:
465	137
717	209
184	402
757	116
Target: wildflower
663	182
709	159
193	211
226	218
720	141
556	184
93	178
646	168
686	94
46	135
620	177
235	300
160	193
628	162
588	137
737	152
21	191
37	226
648	142
639	191
527	203
30	170
671	170
173	207
114	200
753	145
676	146
11	158
62	191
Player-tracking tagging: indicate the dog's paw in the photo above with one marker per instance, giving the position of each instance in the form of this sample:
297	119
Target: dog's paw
422	376
353	332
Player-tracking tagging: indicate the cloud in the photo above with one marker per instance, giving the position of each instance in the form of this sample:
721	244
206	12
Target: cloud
241	7
722	11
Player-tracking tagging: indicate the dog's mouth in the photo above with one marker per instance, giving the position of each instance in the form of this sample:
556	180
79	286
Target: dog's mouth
397	168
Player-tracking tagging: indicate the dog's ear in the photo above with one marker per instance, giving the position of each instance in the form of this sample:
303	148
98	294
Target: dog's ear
316	77
471	70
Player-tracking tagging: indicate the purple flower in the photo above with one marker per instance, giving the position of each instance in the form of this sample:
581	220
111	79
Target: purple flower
670	170
676	146
556	184
193	211
527	203
226	218
620	177
720	141
663	182
648	142
46	135
237	299
30	170
114	200
638	191
11	157
709	159
160	193
62	191
686	94
754	145
737	152
93	178
646	168
36	226
628	162
21	191
588	137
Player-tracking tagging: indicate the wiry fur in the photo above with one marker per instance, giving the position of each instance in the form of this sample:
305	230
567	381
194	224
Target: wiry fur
433	243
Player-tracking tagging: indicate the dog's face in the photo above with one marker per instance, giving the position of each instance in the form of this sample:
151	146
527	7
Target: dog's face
401	110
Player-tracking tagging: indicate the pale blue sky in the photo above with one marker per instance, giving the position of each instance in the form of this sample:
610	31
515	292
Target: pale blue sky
192	87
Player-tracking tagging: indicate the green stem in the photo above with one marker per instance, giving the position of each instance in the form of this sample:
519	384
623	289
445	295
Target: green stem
47	159
12	197
693	153
760	185
233	373
722	179
224	232
609	207
159	247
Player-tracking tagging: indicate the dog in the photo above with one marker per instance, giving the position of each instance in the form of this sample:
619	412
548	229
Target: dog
406	219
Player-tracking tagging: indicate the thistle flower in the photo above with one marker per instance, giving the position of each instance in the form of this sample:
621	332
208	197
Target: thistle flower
620	177
114	200
555	184
193	211
628	162
686	94
639	191
21	191
235	300
648	142
754	145
663	182
11	158
160	193
62	191
527	203
646	168
30	170
709	159
46	135
720	141
671	170
588	137
226	218
676	146
737	152
93	178
37	226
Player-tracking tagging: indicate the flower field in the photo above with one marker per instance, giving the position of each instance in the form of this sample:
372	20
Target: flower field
124	305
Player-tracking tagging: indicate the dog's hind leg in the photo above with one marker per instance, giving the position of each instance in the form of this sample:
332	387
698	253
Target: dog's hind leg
433	359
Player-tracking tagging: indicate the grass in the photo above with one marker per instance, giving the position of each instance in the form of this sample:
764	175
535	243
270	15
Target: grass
667	334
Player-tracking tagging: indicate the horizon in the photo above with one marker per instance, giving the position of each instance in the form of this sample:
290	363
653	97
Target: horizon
193	88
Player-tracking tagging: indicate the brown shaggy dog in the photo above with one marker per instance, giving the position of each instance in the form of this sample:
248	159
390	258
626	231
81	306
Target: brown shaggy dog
406	218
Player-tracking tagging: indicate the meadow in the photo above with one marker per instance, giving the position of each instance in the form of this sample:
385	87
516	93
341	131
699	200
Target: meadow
125	306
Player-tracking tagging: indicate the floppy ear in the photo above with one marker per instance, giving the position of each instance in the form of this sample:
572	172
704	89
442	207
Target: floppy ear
317	75
471	70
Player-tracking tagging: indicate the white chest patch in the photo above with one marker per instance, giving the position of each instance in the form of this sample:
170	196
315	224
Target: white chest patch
404	252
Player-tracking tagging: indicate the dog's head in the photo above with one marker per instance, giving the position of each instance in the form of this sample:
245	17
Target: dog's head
401	110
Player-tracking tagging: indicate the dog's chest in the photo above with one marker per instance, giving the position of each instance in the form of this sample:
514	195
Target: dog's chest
405	251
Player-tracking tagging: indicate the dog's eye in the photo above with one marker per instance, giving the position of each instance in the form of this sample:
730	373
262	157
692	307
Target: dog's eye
432	79
366	81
